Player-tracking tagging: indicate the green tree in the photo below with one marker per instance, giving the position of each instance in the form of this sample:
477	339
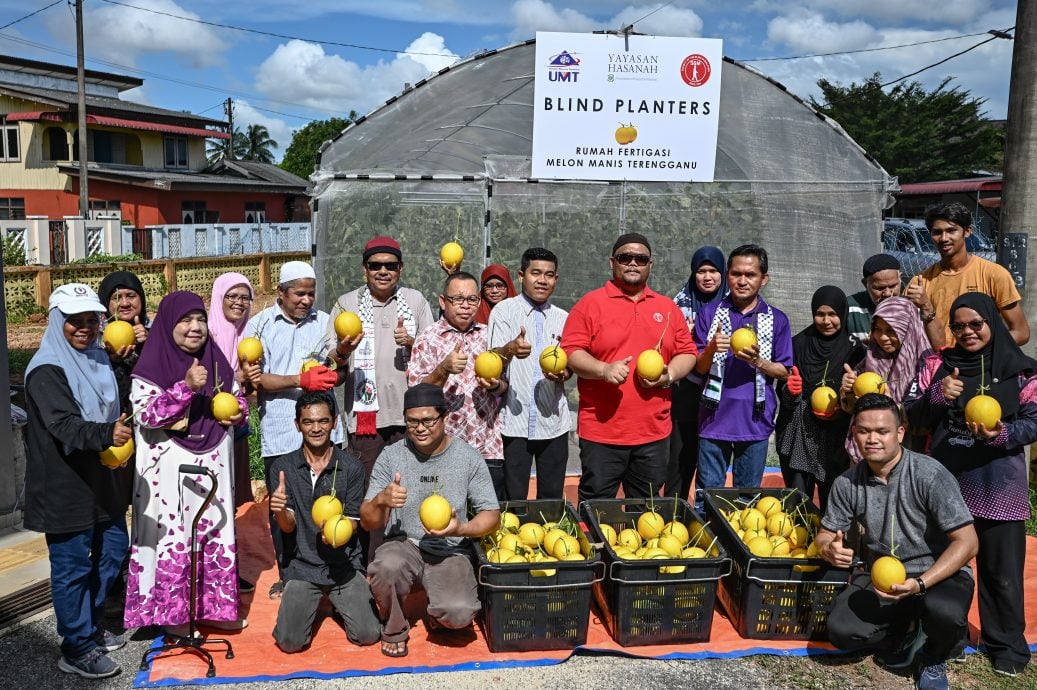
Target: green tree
258	144
300	158
220	148
915	134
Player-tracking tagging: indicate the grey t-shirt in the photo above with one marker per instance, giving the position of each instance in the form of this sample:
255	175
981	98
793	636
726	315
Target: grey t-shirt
920	502
459	474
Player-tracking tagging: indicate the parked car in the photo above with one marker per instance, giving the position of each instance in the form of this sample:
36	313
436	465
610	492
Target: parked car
909	241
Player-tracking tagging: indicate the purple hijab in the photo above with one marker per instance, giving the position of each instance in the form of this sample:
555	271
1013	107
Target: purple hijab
163	364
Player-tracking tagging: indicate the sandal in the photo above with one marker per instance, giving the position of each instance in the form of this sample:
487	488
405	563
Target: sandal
394	649
277	589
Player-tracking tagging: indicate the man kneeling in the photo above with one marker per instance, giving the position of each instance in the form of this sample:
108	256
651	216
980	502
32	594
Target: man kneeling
427	461
910	506
314	568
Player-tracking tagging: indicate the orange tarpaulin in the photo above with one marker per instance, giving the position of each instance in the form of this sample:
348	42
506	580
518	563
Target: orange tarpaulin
331	655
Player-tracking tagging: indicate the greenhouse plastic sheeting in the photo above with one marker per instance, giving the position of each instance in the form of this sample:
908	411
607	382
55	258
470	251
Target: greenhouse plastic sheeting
449	159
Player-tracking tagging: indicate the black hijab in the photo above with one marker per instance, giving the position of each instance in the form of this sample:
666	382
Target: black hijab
997	365
123	279
812	352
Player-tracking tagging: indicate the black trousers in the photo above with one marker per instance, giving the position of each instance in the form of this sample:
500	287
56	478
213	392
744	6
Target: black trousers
861	620
551	455
684	440
1002	618
640	469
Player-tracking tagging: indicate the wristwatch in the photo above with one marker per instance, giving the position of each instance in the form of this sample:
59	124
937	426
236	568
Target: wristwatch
927	318
921	586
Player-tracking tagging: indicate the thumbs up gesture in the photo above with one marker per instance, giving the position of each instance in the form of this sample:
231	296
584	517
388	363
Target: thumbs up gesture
455	362
400	335
952	386
395	494
279	498
617	372
520	347
121	432
849	378
139	332
917	291
794	383
196	377
836	553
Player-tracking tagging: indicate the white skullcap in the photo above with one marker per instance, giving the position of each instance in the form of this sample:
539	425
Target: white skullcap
295	270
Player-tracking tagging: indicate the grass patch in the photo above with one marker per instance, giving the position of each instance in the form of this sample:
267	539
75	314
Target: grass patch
1031	524
18	360
256	469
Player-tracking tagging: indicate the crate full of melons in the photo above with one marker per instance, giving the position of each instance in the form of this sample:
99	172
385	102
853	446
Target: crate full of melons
779	587
663	563
535	576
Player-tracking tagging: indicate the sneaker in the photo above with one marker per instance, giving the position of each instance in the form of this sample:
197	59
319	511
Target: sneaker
93	664
1007	668
245	587
109	641
903	655
932	677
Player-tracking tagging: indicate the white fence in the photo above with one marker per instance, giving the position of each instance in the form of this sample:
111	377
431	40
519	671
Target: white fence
47	241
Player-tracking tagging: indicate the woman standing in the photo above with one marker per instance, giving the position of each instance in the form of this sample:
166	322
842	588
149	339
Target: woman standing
71	497
706	284
496	287
810	444
897	350
229	310
173	385
989	463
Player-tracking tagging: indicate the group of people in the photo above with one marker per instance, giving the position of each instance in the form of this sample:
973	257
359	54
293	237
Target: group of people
387	417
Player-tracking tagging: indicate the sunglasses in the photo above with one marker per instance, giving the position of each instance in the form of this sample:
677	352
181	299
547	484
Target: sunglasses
387	265
974	326
636	259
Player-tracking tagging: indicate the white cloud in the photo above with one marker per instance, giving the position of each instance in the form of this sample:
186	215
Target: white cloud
810	32
530	16
668	21
122	34
301	72
947	12
280	131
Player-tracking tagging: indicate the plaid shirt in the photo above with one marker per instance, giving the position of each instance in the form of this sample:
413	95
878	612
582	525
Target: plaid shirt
474	412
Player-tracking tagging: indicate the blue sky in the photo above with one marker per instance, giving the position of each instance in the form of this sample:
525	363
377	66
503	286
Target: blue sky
284	82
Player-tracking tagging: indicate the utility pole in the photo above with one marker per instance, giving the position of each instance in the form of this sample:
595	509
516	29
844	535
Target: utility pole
228	106
84	195
1018	202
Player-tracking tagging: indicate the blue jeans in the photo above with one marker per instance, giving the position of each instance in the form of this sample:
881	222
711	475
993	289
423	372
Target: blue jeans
83	566
748	459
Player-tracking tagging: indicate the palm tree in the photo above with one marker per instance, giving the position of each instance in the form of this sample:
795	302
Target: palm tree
258	144
220	148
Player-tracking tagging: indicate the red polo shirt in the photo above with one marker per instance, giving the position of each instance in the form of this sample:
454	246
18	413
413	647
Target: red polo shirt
609	326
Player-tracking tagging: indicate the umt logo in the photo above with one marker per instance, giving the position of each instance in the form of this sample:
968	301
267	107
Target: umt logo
563	67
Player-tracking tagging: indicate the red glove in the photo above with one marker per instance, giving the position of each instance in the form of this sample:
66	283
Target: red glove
794	383
318	378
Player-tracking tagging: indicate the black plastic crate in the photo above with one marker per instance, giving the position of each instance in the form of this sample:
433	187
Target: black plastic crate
524	612
773	598
641	604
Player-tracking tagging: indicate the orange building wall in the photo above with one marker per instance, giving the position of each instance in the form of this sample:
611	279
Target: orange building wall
143	206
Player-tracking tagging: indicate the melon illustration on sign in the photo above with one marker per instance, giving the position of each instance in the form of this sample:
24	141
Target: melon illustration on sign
626	134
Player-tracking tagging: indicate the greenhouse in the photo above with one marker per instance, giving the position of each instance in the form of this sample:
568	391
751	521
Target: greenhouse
449	158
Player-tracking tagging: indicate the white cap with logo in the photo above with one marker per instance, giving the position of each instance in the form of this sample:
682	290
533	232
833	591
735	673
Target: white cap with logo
75	298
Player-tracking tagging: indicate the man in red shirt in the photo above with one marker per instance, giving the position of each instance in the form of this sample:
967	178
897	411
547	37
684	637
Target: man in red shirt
624	420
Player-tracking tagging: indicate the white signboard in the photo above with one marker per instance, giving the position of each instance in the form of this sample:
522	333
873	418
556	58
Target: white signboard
611	107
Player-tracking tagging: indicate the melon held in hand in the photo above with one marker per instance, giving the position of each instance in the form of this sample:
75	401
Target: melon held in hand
553	360
985	410
869	382
824	401
224	407
250	350
650	365
118	334
451	254
742	339
325	508
886	572
116	456
337	531
489	365
435	513
348	325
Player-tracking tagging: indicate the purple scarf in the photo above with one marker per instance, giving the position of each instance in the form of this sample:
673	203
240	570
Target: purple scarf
162	363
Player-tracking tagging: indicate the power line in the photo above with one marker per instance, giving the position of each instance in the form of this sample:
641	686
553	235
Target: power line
271	33
182	82
31	14
863	50
652	12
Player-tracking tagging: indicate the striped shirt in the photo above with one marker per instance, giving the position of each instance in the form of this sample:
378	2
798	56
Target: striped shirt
286	345
534	407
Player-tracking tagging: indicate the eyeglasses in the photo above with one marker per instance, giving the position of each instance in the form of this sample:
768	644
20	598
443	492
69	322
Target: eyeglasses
458	300
637	259
243	299
387	265
495	286
974	326
428	422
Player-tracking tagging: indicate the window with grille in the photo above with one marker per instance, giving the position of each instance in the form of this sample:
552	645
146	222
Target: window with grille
235	241
174	243
201	236
176	151
255	211
192	212
12	209
9	149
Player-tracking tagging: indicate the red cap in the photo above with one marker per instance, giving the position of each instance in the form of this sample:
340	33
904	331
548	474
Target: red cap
383	244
